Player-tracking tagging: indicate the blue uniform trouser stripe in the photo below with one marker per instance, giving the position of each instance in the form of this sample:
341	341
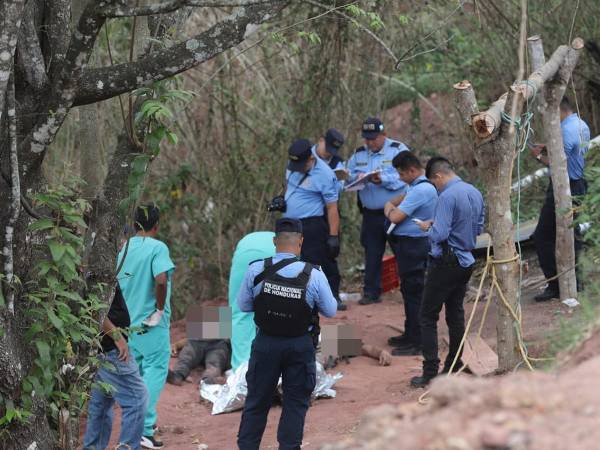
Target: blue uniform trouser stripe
271	357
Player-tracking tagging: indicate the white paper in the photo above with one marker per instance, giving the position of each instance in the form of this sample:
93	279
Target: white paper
360	183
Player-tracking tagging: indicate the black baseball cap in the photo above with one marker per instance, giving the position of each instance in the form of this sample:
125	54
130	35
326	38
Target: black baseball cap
371	128
333	140
287	225
298	153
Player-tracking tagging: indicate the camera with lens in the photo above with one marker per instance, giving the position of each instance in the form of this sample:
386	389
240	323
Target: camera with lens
277	204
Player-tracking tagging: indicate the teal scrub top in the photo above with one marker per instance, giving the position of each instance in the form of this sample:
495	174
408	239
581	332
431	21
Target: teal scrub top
252	247
145	259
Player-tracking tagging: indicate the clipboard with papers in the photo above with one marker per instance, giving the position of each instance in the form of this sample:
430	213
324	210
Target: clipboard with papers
359	184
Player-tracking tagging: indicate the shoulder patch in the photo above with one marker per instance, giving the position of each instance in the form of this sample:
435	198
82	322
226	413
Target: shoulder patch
395	144
360	149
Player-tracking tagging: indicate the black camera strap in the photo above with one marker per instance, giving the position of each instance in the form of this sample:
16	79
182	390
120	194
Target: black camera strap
287	182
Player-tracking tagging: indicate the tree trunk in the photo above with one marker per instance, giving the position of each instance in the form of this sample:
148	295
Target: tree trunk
496	158
551	96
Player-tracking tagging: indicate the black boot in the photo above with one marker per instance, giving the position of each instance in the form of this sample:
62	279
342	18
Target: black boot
422	381
367	300
407	350
341	306
549	293
399	340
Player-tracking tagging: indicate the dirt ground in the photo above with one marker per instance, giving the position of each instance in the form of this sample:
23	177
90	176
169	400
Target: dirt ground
186	423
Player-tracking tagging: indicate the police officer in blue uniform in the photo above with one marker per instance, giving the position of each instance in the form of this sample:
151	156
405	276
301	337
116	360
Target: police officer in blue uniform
411	246
312	197
576	137
286	295
458	220
376	155
327	148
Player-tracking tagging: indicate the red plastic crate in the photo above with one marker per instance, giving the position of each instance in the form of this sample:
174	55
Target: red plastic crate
389	274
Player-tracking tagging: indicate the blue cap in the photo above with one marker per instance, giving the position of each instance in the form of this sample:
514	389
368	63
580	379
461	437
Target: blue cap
333	141
287	225
298	153
371	128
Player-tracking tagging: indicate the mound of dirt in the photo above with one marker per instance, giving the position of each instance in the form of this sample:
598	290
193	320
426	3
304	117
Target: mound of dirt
524	411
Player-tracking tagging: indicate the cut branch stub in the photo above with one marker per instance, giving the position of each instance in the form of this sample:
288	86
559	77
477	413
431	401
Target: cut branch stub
465	100
486	122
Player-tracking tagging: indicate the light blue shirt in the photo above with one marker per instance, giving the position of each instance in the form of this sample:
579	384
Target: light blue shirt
317	291
146	258
375	196
459	218
419	203
318	189
576	138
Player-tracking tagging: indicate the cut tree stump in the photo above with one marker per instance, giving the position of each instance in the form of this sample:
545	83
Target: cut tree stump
478	356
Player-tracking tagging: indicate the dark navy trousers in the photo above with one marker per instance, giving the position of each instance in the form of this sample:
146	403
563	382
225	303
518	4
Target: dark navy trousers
373	238
315	250
411	258
292	358
544	236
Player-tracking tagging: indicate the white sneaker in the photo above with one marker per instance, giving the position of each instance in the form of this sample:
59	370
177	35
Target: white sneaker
150	442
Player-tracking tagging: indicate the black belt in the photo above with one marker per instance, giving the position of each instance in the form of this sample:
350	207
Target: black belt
372	212
312	218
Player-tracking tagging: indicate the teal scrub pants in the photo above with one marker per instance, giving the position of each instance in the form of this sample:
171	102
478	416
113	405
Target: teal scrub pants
253	246
152	351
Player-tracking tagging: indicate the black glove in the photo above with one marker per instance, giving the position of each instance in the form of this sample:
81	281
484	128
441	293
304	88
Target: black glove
333	243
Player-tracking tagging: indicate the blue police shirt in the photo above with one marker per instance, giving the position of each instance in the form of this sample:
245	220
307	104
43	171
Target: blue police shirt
317	291
576	138
419	203
459	218
375	196
317	190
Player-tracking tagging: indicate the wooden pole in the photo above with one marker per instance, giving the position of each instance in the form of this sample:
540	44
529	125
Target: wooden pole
494	144
550	97
496	157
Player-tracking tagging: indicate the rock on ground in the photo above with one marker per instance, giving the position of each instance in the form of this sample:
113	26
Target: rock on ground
523	411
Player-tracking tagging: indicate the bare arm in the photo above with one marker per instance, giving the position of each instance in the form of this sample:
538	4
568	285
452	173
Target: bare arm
160	290
109	329
384	357
333	217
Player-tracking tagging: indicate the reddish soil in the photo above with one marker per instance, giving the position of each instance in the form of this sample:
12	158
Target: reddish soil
185	422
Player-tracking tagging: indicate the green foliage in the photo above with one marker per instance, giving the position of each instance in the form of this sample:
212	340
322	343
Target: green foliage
156	117
63	320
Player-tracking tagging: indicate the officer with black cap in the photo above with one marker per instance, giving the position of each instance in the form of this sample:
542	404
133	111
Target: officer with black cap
327	148
286	295
312	197
375	156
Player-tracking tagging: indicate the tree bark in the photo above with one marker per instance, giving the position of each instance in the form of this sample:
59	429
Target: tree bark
494	144
553	93
496	158
40	113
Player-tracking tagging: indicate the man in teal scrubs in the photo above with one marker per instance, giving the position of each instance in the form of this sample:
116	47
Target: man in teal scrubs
145	281
252	247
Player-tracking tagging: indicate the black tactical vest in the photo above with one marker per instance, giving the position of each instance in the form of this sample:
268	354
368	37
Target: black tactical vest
280	309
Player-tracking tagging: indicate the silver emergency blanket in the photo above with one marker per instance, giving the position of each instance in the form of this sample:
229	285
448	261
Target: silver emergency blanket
231	396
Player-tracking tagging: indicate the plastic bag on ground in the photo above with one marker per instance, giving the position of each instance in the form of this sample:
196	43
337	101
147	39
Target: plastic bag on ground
231	396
